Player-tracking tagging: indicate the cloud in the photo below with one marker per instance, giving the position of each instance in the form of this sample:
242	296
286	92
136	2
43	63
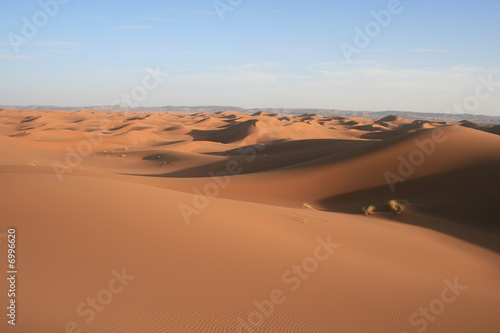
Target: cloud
46	44
333	73
156	19
132	27
468	70
206	12
341	68
257	77
377	50
357	62
328	65
322	64
438	84
257	66
428	50
15	56
52	44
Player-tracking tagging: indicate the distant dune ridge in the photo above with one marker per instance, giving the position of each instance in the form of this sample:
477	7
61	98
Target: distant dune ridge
235	221
444	116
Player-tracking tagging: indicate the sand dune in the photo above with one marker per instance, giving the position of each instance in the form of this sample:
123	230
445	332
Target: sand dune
231	222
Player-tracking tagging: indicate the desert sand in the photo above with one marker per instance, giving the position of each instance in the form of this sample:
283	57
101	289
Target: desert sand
229	222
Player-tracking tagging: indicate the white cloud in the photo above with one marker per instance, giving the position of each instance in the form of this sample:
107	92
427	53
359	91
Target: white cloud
256	66
333	73
52	44
15	56
206	12
157	19
428	50
358	62
133	27
329	65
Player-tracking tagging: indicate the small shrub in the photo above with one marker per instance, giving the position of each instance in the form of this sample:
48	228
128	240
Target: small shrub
306	205
397	206
370	210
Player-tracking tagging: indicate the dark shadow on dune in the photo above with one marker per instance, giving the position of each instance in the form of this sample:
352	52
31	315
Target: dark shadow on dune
469	197
231	133
388	118
19	134
493	130
229	116
417	124
383	123
165	143
140	128
309	117
288	155
310	147
349	123
369	128
29	119
164	158
381	135
360	148
138	117
229	122
32	127
201	120
302	153
468	124
172	128
276	155
118	127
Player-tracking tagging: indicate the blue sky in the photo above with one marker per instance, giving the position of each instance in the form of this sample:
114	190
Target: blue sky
427	55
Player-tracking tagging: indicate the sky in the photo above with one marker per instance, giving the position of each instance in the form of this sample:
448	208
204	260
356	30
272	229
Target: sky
366	55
